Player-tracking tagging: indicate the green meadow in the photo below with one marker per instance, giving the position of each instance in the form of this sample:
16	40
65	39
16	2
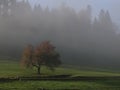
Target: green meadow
13	69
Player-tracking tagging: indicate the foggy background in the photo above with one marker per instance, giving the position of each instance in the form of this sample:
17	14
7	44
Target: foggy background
82	37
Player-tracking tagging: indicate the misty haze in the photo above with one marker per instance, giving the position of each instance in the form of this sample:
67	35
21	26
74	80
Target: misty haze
81	37
44	43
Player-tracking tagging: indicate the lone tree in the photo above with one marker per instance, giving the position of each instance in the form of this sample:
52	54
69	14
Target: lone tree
43	54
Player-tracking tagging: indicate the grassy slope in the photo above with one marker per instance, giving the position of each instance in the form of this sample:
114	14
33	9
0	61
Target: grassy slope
8	69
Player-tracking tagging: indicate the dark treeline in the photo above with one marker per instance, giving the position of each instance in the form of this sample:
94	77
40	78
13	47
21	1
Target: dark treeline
80	38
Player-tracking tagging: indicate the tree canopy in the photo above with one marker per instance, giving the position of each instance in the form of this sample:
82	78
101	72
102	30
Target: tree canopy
43	54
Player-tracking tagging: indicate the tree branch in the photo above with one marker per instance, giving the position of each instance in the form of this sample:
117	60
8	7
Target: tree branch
35	65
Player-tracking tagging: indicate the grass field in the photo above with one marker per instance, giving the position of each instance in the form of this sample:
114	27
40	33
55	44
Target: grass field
13	69
80	85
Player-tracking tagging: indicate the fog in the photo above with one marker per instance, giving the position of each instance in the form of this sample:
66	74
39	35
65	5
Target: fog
81	38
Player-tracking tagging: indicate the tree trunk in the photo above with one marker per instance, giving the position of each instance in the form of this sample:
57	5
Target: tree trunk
39	69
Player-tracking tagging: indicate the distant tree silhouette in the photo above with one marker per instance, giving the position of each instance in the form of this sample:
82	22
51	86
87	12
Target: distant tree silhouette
75	33
7	7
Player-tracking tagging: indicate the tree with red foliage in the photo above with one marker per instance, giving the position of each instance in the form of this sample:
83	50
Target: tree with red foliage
43	54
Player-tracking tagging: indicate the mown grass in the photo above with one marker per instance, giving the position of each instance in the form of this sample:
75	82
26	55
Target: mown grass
58	85
13	69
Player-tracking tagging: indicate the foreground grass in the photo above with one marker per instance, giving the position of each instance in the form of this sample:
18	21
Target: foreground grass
80	85
13	69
